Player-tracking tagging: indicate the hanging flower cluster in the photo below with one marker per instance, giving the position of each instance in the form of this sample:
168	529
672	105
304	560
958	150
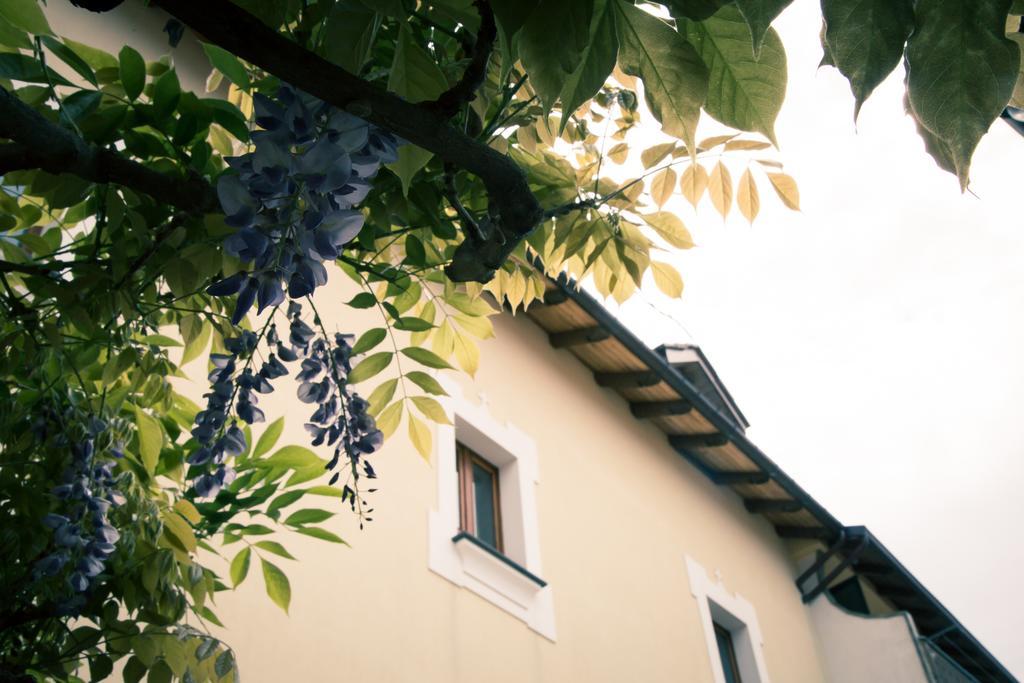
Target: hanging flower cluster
341	418
83	538
292	198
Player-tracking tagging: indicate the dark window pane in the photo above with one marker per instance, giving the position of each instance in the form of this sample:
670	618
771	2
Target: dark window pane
728	655
483	493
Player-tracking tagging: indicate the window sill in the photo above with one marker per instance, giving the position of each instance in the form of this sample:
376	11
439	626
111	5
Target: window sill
498	555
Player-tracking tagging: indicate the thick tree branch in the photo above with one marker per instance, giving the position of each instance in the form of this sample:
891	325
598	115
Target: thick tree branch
40	143
514	210
473	77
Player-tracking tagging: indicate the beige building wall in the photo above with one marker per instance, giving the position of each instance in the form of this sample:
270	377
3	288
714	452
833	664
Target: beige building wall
618	514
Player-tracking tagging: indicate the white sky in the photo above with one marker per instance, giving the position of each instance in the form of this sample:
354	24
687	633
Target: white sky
874	340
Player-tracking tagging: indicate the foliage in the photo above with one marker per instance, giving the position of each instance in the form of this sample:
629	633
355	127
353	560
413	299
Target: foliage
141	223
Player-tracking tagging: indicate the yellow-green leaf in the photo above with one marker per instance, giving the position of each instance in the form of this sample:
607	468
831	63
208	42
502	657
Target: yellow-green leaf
671	228
180	529
240	566
278	587
693	183
787	190
187	510
720	189
652	155
746	196
151	439
432	409
667	279
390	418
420	436
663	185
382	395
269	437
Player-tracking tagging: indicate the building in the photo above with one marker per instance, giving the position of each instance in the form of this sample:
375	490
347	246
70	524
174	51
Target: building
595	513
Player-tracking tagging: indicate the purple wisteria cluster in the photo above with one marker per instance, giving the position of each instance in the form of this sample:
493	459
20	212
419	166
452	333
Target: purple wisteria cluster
292	198
341	418
83	538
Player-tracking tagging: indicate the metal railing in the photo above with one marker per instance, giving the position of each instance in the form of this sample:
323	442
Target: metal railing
941	667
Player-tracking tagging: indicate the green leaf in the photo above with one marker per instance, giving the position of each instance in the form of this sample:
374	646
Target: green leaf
363	300
348	35
596	63
278	588
369	339
227	64
308	516
284	500
414	75
151	439
696	10
293	457
322	534
240	566
225	662
759	15
744	92
865	40
78	105
961	70
159	340
133	72
370	366
274	547
432	409
426	357
674	76
176	525
166	92
12	36
160	673
19	67
133	670
69	57
550	56
381	396
412	324
425	382
197	345
513	14
26	15
268	438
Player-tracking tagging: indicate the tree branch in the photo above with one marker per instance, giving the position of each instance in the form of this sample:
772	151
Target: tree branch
40	143
449	102
514	210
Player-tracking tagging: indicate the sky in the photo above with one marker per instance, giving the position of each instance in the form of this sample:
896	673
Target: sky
874	339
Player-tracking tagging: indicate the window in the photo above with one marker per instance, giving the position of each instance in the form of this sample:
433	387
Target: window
728	654
483	534
479	498
733	636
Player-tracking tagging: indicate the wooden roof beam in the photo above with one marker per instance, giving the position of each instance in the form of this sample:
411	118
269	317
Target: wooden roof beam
578	337
688	441
731	478
815	533
650	409
553	297
758	505
627	380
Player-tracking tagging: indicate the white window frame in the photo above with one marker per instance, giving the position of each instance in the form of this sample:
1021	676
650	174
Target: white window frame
465	563
715	604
